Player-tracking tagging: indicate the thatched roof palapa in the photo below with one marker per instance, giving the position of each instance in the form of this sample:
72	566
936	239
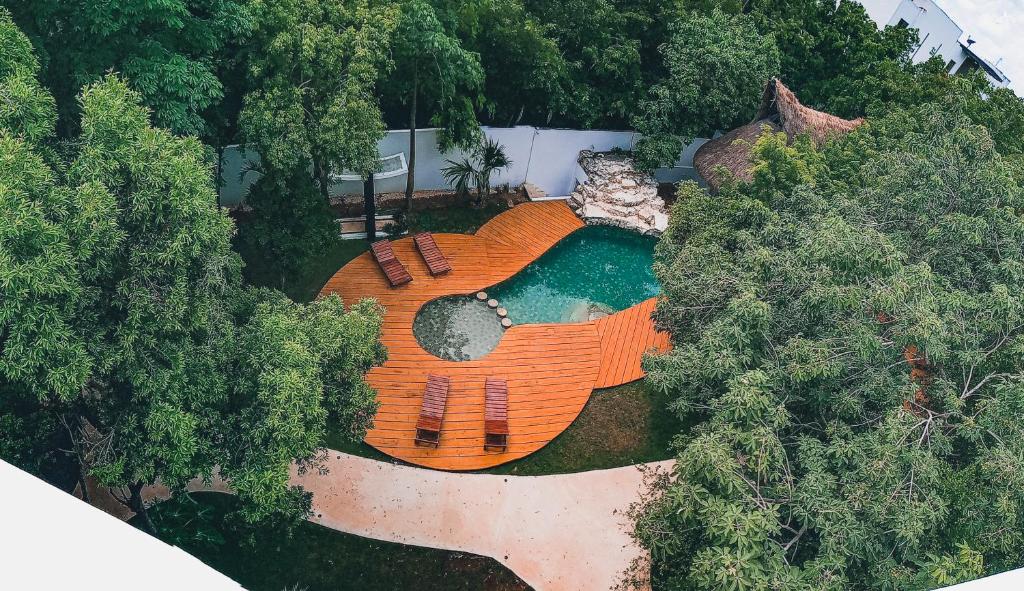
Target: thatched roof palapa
780	110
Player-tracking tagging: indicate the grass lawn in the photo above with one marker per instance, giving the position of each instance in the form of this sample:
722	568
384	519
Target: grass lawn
619	426
316	558
455	220
304	288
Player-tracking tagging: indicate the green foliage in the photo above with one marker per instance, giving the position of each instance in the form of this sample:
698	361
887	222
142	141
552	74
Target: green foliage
825	46
26	109
459	174
187	523
492	157
488	157
123	319
313	67
291	223
609	51
892	86
717	66
525	75
165	48
295	367
848	328
434	71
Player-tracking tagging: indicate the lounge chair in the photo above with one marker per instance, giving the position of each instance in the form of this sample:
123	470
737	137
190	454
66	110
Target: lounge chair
431	253
495	415
393	269
435	396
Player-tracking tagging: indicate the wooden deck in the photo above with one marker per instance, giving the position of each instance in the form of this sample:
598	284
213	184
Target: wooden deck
551	368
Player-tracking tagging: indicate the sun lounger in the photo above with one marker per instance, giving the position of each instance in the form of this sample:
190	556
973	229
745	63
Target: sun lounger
435	396
393	269
431	253
495	415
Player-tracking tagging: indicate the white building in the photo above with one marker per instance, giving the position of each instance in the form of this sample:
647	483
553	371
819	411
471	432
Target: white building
938	34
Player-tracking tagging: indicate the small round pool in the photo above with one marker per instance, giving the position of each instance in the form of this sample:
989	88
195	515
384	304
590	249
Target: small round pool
457	328
594	271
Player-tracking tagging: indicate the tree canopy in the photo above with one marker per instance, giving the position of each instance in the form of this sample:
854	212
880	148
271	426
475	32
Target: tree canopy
125	322
717	66
848	327
166	49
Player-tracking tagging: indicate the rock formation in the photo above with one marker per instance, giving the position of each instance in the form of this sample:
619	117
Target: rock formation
616	194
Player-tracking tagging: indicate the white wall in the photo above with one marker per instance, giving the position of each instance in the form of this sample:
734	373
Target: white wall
937	32
880	11
51	540
543	157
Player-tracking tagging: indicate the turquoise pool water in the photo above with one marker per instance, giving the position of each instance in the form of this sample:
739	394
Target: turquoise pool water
594	271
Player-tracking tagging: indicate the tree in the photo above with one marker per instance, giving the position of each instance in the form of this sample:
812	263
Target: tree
717	67
525	75
825	45
847	327
44	359
313	67
602	46
123	317
492	157
297	369
896	86
166	49
290	222
432	65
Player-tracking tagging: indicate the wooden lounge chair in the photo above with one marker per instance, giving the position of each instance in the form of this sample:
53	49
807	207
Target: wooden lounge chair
495	415
393	269
431	253
435	396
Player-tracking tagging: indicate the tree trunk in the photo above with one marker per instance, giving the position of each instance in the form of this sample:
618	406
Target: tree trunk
411	179
82	473
321	176
370	208
139	507
220	172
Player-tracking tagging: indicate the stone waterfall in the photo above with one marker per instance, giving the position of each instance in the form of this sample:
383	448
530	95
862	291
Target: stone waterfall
616	194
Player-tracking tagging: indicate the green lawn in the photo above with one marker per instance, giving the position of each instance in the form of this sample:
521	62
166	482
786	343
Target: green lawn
259	270
455	220
316	558
618	427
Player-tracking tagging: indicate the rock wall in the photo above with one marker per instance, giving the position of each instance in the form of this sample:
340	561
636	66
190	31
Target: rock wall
616	194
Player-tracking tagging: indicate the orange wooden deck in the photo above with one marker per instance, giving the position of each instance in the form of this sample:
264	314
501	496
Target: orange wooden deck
551	368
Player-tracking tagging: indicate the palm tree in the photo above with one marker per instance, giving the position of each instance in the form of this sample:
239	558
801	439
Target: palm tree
492	157
459	175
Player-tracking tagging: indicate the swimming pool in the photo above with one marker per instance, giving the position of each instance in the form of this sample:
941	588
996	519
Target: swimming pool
595	271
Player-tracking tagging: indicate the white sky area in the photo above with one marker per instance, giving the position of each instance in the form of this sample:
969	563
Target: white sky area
998	28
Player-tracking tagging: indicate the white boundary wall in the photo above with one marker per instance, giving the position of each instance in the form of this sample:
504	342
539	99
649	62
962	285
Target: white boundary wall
51	540
540	156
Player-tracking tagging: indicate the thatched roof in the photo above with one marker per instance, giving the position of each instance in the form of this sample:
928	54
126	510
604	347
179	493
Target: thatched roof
779	109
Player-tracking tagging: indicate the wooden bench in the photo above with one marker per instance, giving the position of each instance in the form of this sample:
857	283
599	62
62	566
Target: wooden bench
435	396
495	415
431	253
393	269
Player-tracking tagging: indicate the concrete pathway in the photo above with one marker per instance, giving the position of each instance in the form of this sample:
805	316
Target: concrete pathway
561	532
